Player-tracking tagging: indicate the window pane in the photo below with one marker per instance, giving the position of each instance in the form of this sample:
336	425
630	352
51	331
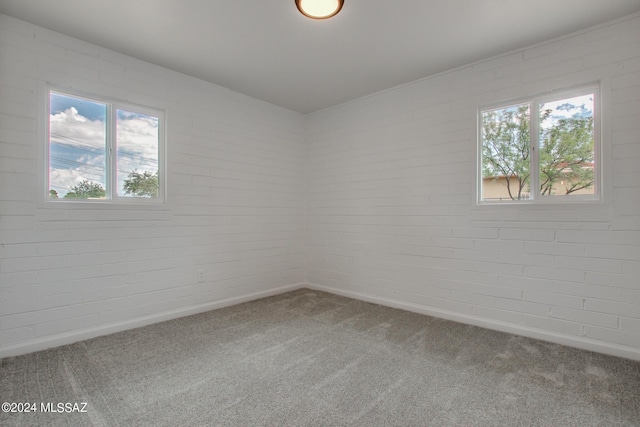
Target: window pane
77	141
567	147
137	154
505	153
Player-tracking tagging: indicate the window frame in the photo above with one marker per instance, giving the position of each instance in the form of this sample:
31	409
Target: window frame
111	148
534	103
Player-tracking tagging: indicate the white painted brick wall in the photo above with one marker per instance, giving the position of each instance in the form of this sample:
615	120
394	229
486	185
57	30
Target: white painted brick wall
405	159
234	208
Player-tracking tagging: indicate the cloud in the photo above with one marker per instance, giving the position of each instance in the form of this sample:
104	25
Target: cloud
137	137
71	126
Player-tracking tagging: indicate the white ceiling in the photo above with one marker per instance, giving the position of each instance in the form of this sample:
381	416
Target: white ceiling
268	50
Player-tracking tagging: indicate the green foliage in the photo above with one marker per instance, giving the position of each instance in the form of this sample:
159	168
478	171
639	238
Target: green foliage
85	190
566	152
53	194
505	147
143	184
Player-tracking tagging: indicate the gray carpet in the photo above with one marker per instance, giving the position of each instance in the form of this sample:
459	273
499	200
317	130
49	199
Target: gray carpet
308	358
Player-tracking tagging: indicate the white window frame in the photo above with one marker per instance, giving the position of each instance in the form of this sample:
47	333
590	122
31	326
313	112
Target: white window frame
111	148
534	163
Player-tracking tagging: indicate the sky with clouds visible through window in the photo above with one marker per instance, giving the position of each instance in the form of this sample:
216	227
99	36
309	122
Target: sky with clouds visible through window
77	150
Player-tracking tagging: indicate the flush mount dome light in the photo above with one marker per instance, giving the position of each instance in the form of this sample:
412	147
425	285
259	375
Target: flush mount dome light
319	9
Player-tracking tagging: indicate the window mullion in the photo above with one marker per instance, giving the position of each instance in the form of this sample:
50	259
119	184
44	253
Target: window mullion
111	153
534	146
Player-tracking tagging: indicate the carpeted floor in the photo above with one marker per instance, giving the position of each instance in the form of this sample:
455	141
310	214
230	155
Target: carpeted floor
308	358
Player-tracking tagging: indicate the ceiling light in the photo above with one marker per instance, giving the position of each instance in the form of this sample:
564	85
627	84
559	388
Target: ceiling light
319	9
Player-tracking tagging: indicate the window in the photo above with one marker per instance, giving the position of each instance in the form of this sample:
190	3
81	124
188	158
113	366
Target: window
543	149
99	150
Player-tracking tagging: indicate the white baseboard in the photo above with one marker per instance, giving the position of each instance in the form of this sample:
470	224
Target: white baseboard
88	333
544	335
